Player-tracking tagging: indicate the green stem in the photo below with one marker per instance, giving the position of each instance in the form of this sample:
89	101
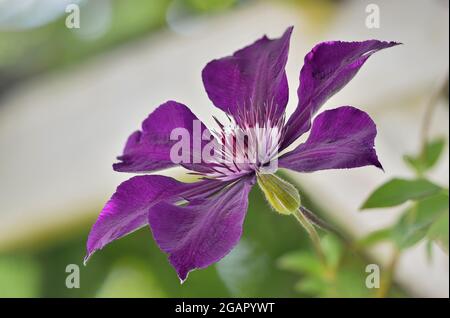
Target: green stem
426	123
314	236
321	224
387	282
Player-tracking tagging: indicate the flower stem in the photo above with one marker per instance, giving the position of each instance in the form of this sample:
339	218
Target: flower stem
387	282
321	224
314	236
429	110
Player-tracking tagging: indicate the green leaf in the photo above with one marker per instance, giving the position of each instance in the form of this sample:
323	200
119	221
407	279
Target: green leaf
245	269
312	286
408	234
375	237
398	191
415	223
302	262
281	195
428	158
350	283
439	231
130	277
333	249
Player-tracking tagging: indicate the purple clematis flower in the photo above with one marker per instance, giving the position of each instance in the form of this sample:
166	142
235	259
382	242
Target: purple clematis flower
198	223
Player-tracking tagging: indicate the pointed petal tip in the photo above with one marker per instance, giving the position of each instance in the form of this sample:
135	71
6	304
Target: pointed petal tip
251	78
286	33
375	161
118	165
86	259
89	252
207	237
379	165
182	272
340	126
389	44
182	276
394	43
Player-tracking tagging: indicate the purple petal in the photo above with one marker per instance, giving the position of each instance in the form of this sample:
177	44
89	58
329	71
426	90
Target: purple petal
149	149
252	80
327	69
340	138
127	209
203	232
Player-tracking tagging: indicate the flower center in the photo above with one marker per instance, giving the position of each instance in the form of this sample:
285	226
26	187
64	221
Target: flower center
246	148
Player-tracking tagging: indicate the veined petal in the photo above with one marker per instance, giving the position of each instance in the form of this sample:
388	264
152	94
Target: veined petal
340	138
204	231
252	80
149	149
327	69
127	209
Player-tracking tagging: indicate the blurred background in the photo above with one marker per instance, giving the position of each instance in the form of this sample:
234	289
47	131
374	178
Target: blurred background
70	97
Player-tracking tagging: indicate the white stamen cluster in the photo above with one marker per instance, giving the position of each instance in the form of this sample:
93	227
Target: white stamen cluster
249	143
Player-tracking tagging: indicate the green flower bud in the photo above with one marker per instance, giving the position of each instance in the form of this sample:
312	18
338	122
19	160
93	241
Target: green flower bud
281	195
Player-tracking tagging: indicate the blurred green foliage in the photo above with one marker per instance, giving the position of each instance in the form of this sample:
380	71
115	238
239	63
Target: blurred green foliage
343	274
211	5
397	191
24	53
53	46
340	276
130	277
135	267
273	251
426	217
19	277
274	257
428	156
